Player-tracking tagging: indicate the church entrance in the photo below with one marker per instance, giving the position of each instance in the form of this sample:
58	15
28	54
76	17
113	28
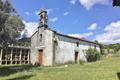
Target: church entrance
40	53
76	57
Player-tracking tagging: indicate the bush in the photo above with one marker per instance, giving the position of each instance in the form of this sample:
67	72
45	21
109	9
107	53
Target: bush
81	62
92	55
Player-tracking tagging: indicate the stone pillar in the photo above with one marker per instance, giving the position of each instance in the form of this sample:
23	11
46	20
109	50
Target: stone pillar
28	57
1	51
20	56
11	55
6	56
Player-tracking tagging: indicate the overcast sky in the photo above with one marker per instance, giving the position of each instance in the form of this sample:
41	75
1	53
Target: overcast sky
92	19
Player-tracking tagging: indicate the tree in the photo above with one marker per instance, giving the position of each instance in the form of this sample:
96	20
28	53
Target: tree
116	3
92	55
115	47
96	41
11	24
13	27
1	5
24	41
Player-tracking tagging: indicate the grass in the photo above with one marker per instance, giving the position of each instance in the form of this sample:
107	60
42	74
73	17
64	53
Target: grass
105	69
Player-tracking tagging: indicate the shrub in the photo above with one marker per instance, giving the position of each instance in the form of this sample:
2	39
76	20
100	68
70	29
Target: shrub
81	62
92	55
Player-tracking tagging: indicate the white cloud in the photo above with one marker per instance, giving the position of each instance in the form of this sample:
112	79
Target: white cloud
30	27
27	13
73	1
75	35
54	19
49	11
88	4
84	35
65	13
111	34
36	12
92	26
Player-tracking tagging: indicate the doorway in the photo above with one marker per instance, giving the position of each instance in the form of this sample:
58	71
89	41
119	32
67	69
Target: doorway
40	53
76	57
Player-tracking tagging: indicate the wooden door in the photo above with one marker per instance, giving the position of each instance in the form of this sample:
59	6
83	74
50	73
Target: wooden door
40	52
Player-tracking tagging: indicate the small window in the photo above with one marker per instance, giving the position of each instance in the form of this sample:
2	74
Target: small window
41	16
56	43
77	43
40	37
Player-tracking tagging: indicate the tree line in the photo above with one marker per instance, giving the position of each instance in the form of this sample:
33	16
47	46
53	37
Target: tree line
114	47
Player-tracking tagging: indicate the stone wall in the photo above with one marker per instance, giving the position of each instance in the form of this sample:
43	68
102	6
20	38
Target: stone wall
57	48
45	43
66	47
34	44
48	51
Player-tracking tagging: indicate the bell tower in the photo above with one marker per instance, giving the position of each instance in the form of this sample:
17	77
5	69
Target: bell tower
43	18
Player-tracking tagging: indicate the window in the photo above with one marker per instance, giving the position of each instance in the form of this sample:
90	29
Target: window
77	43
40	37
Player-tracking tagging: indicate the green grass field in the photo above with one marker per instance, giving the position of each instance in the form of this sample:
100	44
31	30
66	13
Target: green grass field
105	69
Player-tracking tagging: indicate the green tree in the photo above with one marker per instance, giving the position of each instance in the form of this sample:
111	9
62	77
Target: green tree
13	27
92	55
24	41
1	5
116	2
11	24
96	41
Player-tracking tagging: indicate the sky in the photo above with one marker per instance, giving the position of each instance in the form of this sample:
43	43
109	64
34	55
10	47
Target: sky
91	19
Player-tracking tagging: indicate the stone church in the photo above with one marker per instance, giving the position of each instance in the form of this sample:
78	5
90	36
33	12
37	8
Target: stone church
49	47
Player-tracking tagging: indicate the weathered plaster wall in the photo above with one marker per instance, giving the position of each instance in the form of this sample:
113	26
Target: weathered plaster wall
48	51
45	43
66	47
33	57
37	43
62	52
